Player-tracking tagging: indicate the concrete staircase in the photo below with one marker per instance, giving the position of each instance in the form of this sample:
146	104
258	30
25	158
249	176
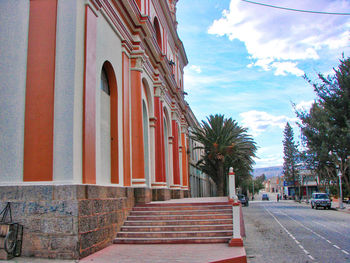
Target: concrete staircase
177	223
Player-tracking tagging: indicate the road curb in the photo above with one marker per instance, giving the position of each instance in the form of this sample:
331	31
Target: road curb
346	210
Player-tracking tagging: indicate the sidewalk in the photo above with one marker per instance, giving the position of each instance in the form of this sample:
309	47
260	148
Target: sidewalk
175	253
160	253
335	205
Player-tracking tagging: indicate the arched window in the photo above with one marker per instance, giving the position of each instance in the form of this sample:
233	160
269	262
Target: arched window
158	34
104	82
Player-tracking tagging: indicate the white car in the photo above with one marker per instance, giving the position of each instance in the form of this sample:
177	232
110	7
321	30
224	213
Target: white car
320	200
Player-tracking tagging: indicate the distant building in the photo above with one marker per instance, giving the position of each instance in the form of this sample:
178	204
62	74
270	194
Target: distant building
307	184
273	185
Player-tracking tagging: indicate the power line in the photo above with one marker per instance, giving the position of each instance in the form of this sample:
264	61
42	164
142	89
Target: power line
297	10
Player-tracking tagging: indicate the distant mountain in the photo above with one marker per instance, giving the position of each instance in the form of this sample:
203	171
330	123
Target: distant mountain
268	171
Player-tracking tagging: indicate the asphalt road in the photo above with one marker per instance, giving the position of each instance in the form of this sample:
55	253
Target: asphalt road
291	232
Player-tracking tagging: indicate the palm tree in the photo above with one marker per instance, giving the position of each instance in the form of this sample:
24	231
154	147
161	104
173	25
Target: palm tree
225	144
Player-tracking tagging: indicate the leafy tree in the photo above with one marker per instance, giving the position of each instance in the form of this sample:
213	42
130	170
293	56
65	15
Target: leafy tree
225	144
326	127
261	178
316	156
291	155
250	184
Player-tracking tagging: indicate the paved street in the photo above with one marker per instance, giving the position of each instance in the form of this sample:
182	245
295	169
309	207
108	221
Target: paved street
291	232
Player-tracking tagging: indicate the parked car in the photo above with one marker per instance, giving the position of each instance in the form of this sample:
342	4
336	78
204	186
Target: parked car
265	197
320	200
243	199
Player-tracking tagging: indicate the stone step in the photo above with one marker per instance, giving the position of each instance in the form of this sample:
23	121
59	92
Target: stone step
176	228
203	240
180	212
177	222
174	234
169	208
179	217
182	204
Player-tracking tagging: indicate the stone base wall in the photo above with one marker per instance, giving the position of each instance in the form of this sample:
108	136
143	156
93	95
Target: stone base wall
67	221
101	214
177	194
74	221
49	215
143	195
164	194
161	194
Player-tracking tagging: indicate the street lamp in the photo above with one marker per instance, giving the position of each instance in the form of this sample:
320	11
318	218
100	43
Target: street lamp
341	206
253	190
339	164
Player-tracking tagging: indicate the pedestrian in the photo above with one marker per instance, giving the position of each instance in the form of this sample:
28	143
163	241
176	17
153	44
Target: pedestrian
278	197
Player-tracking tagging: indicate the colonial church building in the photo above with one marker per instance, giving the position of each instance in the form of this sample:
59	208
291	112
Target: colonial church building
92	117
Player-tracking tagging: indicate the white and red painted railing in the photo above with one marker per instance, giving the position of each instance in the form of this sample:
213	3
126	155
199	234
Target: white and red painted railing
237	216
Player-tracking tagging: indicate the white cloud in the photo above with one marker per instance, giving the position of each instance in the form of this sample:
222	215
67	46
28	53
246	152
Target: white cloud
195	68
276	39
304	105
282	68
268	161
260	121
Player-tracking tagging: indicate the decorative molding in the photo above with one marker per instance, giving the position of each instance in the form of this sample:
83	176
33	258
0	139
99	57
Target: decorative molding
97	4
170	139
139	61
159	185
152	122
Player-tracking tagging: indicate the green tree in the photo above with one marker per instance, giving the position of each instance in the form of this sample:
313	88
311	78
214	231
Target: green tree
261	178
315	137
326	127
225	144
291	155
251	184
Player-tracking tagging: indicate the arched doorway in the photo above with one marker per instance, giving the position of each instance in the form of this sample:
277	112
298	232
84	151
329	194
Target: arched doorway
180	149
108	126
166	152
146	141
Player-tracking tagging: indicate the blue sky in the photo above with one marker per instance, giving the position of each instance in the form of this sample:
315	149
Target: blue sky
247	61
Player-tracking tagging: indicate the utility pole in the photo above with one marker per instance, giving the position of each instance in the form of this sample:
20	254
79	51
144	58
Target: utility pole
253	189
307	192
341	206
339	166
